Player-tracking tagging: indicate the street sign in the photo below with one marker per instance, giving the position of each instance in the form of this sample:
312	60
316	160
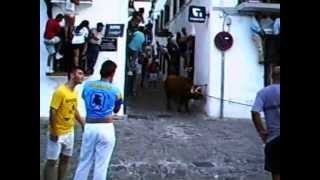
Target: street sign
197	14
109	44
223	41
114	30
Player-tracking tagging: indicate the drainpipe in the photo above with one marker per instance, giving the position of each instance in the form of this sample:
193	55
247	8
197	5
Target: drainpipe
222	83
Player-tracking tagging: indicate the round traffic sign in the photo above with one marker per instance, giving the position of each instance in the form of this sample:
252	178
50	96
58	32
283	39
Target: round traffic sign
223	41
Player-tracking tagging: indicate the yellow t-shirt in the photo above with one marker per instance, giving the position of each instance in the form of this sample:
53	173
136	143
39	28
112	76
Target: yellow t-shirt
64	101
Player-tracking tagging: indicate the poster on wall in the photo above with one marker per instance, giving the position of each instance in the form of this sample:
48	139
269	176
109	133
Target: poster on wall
109	44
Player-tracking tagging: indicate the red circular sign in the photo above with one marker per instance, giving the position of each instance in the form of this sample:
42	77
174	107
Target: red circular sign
223	41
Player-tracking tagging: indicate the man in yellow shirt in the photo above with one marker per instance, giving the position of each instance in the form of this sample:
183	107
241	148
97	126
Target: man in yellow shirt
63	113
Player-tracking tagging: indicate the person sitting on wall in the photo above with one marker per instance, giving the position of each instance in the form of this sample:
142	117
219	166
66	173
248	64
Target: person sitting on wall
131	7
51	40
70	13
49	8
79	41
141	12
95	38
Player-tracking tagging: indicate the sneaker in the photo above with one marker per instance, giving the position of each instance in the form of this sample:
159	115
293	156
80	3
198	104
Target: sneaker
58	56
49	69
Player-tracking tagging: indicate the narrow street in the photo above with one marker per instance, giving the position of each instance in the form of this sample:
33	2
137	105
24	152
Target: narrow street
153	144
228	47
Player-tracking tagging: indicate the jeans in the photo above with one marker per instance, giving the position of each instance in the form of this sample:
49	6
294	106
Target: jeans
92	53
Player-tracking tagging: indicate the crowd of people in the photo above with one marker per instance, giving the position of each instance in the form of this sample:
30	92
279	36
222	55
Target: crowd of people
178	49
143	59
142	64
69	45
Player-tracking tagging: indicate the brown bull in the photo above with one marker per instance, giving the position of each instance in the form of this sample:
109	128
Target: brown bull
182	90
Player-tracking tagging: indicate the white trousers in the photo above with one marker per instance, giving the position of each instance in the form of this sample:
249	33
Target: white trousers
97	145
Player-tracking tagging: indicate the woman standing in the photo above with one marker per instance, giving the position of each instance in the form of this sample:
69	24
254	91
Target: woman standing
79	41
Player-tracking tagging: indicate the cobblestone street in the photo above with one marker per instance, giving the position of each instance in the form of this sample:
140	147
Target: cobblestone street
153	144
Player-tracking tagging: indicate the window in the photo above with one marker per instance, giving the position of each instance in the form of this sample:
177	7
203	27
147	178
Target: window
181	3
157	24
174	7
166	14
161	20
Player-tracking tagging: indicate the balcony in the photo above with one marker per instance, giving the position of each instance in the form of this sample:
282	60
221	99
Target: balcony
264	6
81	1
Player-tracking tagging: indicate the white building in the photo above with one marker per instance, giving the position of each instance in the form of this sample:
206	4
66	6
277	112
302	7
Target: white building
244	75
106	11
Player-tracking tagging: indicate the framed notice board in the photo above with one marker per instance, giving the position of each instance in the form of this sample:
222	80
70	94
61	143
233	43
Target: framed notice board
109	44
114	30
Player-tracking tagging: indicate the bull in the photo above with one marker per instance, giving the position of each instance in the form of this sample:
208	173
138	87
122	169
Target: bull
182	90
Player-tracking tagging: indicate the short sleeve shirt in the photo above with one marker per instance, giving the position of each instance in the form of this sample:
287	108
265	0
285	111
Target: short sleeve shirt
52	29
80	37
268	101
64	101
100	98
137	41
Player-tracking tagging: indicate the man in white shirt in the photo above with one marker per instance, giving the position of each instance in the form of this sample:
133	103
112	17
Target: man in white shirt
95	38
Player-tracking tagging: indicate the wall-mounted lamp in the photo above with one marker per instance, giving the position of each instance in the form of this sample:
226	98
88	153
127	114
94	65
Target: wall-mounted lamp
228	21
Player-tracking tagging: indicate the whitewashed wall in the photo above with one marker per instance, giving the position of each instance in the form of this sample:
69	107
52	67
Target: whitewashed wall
243	73
106	11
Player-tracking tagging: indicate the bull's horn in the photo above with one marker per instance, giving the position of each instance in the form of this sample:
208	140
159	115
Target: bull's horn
192	90
198	90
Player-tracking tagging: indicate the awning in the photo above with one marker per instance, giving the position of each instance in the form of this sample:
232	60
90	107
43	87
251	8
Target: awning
259	7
